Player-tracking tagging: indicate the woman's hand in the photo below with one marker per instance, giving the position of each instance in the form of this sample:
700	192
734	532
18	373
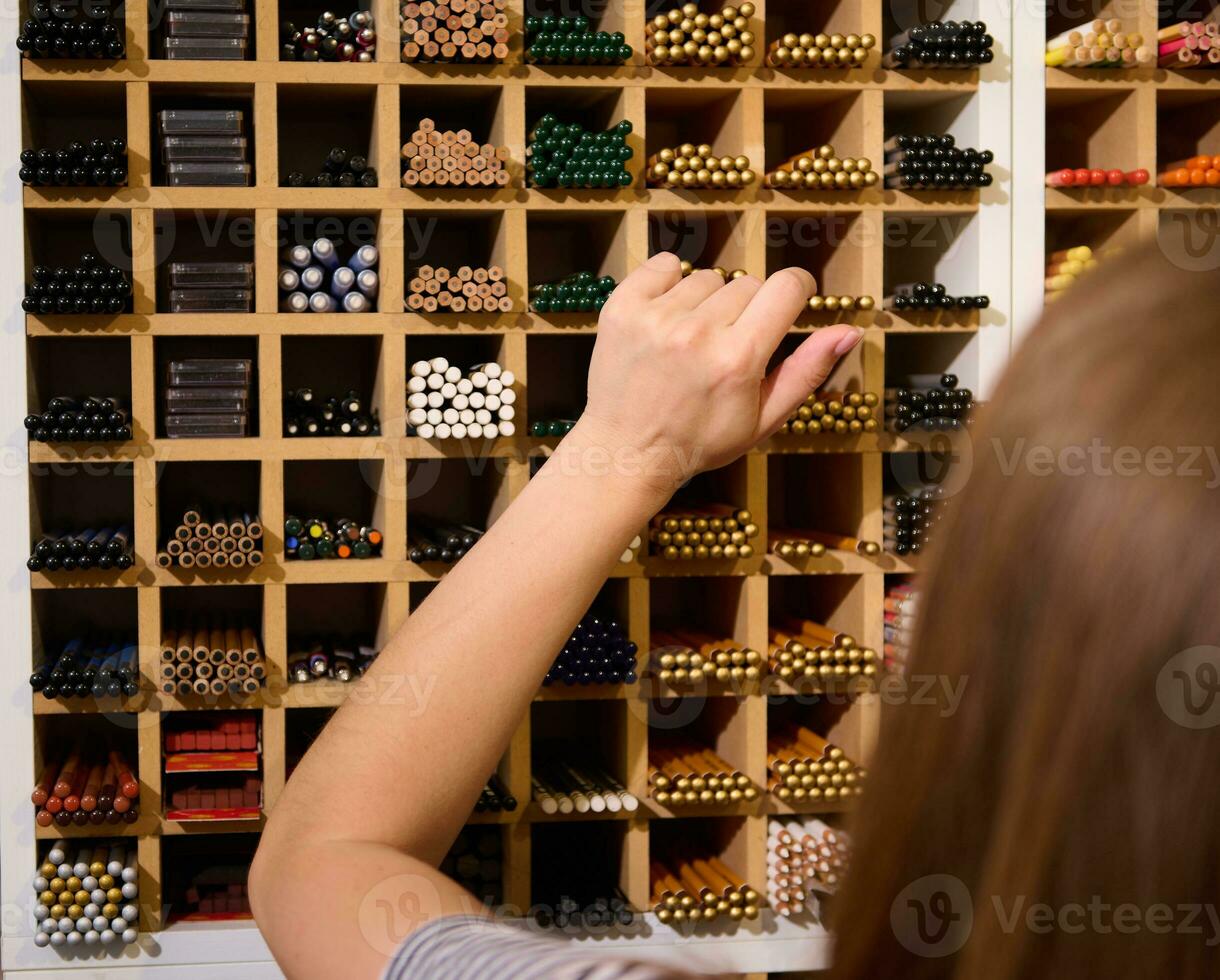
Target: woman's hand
678	379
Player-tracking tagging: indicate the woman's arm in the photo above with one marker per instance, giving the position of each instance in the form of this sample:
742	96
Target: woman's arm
346	865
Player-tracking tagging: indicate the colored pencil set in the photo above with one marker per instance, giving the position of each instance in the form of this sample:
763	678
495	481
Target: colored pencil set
821	169
455	31
679	657
1189	44
211	655
806	861
214	538
89	786
802	648
309	538
820	50
690	885
1196	171
698	167
803	766
833	413
712	530
901	605
683	773
685	36
598	652
1065	265
1098	177
90	901
1102	43
451	158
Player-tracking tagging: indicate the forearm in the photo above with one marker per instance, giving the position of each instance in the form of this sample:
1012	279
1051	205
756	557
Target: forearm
408	775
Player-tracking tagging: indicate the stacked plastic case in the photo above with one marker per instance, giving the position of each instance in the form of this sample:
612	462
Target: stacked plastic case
204	147
205	30
208	398
211	287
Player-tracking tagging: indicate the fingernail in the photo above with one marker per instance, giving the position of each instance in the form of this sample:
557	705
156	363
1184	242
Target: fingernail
662	258
848	341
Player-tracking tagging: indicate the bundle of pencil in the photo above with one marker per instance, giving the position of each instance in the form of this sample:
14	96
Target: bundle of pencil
696	167
778	537
682	656
449	158
1096	177
93	785
1190	44
820	50
458	30
558	786
725	274
466	289
211	655
901	605
832	304
686	36
1064	266
684	773
821	169
706	531
806	857
1197	171
214	540
802	648
833	413
89	902
689	888
1099	44
802	765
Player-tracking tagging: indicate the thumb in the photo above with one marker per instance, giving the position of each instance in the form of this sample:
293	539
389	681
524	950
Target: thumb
800	373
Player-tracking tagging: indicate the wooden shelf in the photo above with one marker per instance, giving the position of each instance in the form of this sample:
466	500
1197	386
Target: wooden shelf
848	590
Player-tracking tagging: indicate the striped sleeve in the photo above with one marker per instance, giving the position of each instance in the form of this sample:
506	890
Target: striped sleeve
463	947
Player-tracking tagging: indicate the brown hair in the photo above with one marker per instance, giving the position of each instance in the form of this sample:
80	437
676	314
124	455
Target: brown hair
1064	581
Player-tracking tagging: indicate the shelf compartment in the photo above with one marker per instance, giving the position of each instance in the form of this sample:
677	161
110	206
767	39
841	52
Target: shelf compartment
350	115
203	236
177	348
706	238
453	239
798	121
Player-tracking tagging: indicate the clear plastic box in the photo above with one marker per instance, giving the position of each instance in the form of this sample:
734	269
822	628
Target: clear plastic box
207	174
207	426
211	300
199	23
184	275
231	6
202	401
203	149
222	122
204	48
210	371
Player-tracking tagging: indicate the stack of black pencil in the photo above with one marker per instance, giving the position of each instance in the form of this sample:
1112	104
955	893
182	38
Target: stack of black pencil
341	168
93	418
433	540
107	548
97	666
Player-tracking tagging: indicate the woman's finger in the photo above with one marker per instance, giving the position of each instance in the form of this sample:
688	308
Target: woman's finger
801	372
